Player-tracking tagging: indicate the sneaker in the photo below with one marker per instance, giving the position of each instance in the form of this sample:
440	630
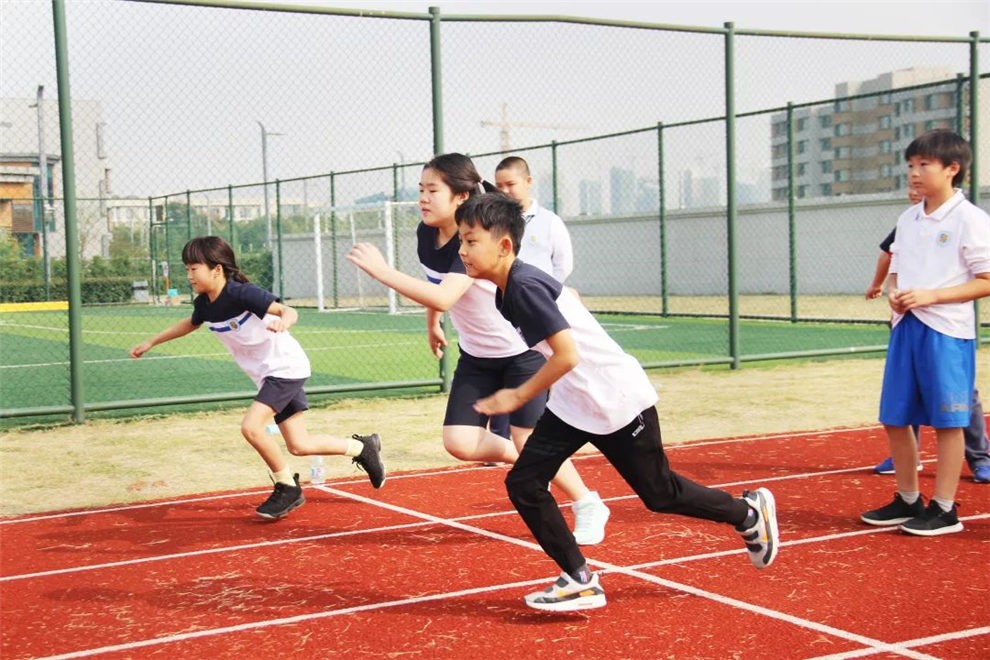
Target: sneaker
886	466
284	498
763	537
933	522
590	516
370	458
981	474
568	595
894	513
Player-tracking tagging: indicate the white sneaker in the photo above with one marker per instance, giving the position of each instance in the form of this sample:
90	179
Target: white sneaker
590	516
568	595
763	538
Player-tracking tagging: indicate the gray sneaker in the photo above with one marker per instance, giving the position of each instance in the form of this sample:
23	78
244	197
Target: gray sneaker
568	595
763	537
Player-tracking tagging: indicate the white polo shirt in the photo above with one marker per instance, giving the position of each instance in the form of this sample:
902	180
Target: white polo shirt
546	243
947	248
607	389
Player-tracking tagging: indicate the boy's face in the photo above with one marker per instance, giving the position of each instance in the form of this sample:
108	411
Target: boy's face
514	183
481	252
930	177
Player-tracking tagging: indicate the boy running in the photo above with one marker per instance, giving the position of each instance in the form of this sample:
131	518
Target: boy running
600	395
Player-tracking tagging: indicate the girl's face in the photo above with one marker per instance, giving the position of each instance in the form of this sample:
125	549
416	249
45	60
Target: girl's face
204	279
437	202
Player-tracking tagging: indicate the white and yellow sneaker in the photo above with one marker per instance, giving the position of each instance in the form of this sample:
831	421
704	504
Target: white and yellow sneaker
568	595
762	538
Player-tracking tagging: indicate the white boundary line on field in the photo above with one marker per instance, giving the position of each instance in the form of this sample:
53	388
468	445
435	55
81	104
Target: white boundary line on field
454	470
873	645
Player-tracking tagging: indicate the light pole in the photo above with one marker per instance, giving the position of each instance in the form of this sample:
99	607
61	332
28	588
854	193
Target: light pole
264	175
43	183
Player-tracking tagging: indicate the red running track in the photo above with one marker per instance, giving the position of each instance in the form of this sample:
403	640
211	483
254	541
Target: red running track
436	565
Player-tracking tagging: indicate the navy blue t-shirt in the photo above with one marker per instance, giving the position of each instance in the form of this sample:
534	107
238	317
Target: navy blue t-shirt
235	299
437	261
529	303
887	242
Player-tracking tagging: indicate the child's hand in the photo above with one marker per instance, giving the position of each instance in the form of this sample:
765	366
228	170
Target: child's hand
874	292
437	339
277	324
367	257
140	349
912	298
503	401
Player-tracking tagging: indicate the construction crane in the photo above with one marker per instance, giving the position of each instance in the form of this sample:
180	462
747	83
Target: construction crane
504	125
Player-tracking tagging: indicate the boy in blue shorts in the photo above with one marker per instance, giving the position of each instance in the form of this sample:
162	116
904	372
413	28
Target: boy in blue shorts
940	264
598	394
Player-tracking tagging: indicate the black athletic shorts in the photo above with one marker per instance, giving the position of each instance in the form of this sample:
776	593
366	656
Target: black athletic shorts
283	395
476	378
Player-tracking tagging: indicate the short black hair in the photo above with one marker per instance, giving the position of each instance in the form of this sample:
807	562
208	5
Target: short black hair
496	213
945	146
513	162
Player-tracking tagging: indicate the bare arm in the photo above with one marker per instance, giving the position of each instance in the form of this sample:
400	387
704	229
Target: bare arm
434	332
879	275
912	298
288	317
179	329
440	297
564	358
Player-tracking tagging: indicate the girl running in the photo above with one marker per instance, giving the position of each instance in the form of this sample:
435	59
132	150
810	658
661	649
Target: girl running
253	325
492	354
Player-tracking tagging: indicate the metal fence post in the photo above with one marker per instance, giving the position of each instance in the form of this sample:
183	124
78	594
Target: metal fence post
73	271
791	214
730	185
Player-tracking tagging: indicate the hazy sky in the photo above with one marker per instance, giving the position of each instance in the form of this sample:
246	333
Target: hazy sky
182	88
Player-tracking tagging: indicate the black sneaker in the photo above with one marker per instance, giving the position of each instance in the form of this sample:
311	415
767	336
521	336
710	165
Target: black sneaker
934	522
284	498
370	458
894	513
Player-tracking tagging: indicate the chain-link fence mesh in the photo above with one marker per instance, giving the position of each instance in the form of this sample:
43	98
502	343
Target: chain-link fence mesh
295	134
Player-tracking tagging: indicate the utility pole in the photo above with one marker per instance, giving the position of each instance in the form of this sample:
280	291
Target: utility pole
264	176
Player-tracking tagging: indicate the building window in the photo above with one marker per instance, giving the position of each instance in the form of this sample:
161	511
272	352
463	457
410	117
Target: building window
801	168
802	146
931	101
842	152
885	146
841	105
779	128
825	144
885	121
907	106
825	121
885	98
842	175
802	123
907	131
885	170
802	191
826	166
826	190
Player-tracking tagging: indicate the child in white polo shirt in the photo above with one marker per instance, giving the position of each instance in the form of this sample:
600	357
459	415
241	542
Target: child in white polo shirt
940	264
600	395
546	243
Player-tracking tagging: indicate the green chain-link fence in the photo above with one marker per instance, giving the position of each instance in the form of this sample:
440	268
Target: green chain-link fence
295	133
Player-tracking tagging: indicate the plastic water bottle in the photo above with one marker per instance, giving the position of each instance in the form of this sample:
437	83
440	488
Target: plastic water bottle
317	470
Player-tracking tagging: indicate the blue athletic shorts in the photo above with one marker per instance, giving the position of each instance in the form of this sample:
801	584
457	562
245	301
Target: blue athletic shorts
928	378
475	378
283	395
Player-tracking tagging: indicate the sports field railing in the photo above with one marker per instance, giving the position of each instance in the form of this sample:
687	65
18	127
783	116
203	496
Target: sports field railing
717	216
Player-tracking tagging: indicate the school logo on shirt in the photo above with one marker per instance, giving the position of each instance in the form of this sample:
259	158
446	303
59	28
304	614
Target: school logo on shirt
942	238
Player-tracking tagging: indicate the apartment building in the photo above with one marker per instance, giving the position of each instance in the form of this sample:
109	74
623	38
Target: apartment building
856	146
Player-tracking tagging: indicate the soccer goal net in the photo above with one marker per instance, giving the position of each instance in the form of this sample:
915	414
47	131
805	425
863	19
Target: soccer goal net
318	274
